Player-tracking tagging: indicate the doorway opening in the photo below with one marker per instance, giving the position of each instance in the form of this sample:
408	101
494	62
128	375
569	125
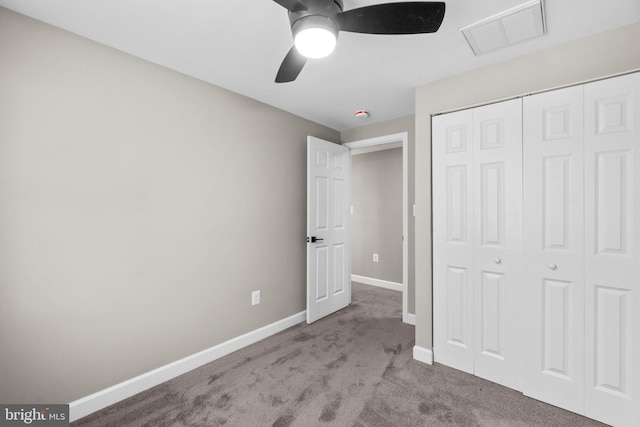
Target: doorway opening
398	140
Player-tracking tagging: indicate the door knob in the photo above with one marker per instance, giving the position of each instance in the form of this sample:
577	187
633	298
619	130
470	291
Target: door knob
313	239
497	260
552	266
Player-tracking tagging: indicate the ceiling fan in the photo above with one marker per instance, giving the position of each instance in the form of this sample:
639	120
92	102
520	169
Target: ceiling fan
315	25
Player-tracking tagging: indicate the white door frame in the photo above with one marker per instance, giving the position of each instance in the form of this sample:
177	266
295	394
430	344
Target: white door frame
382	143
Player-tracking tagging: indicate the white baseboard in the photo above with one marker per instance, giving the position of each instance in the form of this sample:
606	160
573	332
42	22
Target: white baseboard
377	282
99	400
410	319
423	355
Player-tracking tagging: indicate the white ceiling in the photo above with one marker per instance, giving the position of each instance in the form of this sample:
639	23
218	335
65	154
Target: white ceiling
239	45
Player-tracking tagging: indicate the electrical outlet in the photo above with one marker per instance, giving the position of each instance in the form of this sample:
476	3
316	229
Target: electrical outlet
255	297
375	257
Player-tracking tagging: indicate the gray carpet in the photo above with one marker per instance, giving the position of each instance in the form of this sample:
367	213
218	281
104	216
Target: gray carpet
353	368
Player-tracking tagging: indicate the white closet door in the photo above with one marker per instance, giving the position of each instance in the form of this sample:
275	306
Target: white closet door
612	250
498	241
453	239
553	298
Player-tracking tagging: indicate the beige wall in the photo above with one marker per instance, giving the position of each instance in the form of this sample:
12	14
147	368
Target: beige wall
139	209
376	222
590	58
390	127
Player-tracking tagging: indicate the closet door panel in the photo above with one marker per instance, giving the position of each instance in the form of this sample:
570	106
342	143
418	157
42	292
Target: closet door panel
553	296
612	250
498	241
453	240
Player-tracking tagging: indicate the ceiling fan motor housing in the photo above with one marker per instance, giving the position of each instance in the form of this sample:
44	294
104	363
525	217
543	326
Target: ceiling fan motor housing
327	9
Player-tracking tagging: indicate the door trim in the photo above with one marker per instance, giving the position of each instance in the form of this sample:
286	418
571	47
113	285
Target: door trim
383	143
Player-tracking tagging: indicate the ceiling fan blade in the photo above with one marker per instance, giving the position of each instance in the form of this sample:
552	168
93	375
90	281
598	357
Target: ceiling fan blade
291	5
393	18
291	66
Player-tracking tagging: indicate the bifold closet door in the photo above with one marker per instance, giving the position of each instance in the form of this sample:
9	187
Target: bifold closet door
553	298
569	315
612	255
477	240
453	290
497	130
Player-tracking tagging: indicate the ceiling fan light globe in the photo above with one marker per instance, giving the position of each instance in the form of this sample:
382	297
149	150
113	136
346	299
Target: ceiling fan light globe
315	36
315	42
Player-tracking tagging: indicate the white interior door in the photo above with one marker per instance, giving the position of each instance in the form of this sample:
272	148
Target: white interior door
578	315
453	287
553	298
497	130
328	228
612	250
477	240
